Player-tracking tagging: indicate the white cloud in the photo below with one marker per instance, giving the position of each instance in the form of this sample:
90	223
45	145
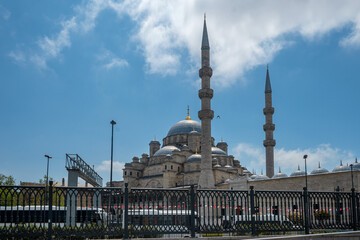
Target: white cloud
117	168
243	34
50	47
253	157
116	63
109	60
17	56
4	13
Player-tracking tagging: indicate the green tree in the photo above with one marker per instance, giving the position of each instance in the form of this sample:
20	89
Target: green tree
6	180
43	180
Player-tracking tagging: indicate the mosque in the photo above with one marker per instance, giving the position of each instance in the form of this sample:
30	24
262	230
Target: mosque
188	154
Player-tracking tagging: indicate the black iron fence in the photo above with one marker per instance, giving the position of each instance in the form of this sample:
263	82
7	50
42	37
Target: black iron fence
61	212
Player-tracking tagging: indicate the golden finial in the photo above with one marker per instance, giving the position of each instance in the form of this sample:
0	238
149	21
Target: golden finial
267	66
204	16
188	114
196	151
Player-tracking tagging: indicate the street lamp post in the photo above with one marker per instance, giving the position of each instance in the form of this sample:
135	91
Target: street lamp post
306	182
306	200
112	142
47	169
352	176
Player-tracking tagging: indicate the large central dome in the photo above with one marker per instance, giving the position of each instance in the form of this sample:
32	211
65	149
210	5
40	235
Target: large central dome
184	127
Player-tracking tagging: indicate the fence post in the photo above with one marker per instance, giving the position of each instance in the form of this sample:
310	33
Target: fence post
252	207
126	208
337	206
353	201
192	208
306	210
50	210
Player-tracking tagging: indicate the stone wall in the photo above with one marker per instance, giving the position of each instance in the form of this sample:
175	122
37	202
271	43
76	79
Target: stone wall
320	182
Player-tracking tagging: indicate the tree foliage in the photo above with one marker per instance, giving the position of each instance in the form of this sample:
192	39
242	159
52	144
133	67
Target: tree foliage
7	180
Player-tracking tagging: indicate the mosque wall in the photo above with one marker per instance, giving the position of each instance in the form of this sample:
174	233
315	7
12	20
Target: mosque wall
327	182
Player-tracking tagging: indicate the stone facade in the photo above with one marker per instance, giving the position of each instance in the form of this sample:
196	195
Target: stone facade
327	182
178	162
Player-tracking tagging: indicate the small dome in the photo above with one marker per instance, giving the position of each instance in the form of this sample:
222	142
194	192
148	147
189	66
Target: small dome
168	156
261	177
253	176
215	160
298	172
154	142
356	165
227	166
221	143
166	150
217	151
319	170
184	127
217	166
194	158
341	168
279	175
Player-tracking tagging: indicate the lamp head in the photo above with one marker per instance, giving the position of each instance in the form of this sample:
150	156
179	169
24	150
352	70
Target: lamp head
47	156
112	122
305	156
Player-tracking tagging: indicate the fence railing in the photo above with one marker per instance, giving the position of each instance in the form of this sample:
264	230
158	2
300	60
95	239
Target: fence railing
40	212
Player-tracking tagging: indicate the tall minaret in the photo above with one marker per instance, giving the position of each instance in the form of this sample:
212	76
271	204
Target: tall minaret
206	180
269	128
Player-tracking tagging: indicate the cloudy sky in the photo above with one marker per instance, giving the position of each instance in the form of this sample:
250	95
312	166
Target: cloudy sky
69	67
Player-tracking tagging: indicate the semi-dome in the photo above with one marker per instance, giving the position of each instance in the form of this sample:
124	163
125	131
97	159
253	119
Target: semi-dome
356	165
185	127
279	174
217	151
194	158
298	172
341	168
166	150
319	170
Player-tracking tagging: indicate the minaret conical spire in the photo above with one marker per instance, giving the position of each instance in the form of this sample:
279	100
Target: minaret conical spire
205	39
267	84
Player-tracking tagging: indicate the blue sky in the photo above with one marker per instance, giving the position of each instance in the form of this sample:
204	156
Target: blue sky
69	67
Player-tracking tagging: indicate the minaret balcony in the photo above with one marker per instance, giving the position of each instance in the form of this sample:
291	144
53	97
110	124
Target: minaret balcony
269	143
269	127
206	93
205	71
268	110
206	114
